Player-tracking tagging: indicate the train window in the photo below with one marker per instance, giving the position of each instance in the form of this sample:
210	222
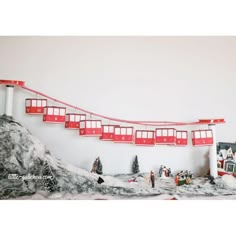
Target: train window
139	134
88	124
39	103
50	111
98	123
27	103
105	129
117	131
184	135
81	117
129	131
197	134
111	129
77	118
158	132
178	134
62	112
209	134
44	103
72	117
33	103
82	125
164	132
150	134
170	132
123	131
93	124
56	111
203	134
144	135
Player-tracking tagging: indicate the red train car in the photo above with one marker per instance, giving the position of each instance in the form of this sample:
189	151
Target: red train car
73	120
202	137
123	135
145	137
181	137
90	128
54	114
165	136
35	105
108	132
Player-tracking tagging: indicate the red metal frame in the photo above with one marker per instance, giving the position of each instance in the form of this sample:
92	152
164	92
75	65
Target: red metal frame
165	136
54	114
181	137
72	120
13	82
123	134
35	105
202	137
145	137
90	128
108	132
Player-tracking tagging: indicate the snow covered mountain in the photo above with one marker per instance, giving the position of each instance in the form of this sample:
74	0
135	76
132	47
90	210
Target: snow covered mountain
26	167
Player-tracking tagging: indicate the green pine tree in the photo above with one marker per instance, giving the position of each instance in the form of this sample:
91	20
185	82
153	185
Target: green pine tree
135	166
99	167
49	181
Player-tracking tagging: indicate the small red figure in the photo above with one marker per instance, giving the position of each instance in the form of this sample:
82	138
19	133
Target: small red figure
152	179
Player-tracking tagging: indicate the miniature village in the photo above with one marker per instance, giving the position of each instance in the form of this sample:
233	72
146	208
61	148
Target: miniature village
24	155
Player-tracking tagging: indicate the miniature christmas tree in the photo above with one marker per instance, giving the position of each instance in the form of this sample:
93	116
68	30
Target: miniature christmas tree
135	166
99	166
49	180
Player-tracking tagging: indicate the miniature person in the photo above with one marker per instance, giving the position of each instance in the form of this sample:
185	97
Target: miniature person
152	178
160	170
168	172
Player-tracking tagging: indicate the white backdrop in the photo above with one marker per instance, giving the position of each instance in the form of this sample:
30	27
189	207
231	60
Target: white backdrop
136	78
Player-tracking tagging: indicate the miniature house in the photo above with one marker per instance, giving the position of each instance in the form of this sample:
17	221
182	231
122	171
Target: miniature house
123	134
35	106
144	137
108	132
202	137
54	114
90	128
165	136
181	138
73	120
230	166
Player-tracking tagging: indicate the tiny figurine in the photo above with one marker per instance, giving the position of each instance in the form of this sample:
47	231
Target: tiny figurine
152	178
183	177
164	171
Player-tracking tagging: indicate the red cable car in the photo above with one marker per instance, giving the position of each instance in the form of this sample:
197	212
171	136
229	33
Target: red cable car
181	138
144	137
90	128
35	106
108	132
73	120
123	134
202	137
165	136
54	114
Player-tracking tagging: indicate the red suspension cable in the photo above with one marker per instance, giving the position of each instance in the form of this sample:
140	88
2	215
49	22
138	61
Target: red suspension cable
143	123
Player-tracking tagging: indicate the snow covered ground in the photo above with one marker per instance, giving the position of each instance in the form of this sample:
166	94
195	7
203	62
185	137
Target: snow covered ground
201	189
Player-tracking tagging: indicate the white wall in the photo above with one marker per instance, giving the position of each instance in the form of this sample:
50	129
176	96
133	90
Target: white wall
136	78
